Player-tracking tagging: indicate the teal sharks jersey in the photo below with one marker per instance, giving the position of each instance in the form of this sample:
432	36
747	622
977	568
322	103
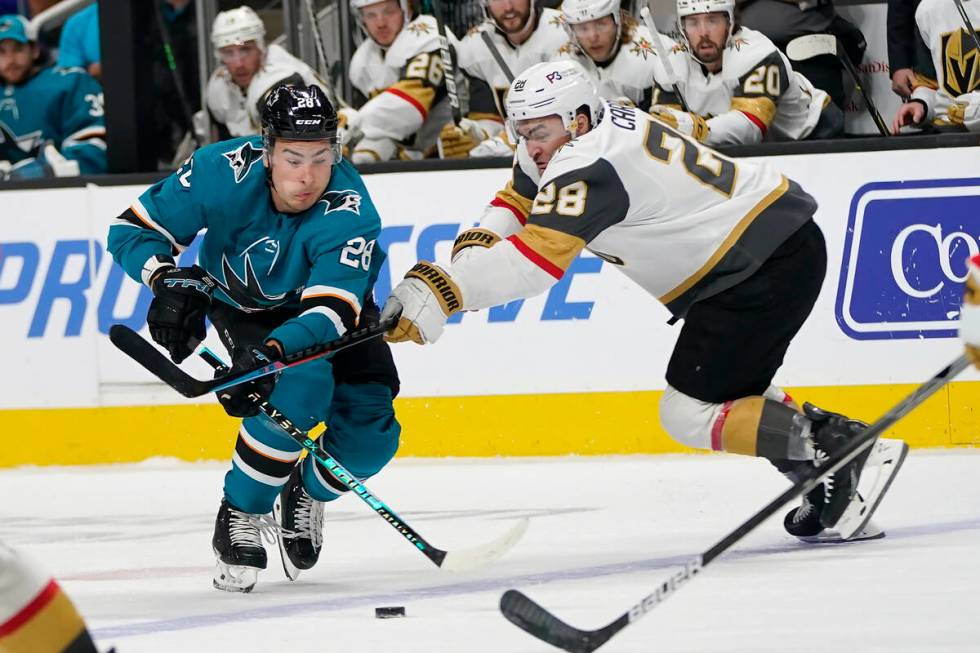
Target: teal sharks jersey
322	262
62	106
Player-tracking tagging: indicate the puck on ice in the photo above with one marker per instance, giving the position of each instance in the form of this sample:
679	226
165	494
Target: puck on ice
390	612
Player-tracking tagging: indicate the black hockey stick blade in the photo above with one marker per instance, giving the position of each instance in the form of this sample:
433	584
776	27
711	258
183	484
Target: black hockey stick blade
146	354
531	617
539	622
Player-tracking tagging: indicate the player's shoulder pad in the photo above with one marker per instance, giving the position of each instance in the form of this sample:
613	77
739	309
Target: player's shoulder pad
67	78
420	35
747	51
551	22
578	154
233	160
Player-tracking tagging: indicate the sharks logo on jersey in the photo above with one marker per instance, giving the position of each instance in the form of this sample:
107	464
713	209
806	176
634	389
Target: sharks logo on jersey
242	159
341	200
29	144
247	292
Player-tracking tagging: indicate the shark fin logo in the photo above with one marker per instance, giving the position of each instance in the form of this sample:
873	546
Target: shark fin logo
341	200
242	159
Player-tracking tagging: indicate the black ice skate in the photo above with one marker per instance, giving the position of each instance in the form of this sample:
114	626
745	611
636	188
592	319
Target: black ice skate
238	548
831	433
804	522
300	519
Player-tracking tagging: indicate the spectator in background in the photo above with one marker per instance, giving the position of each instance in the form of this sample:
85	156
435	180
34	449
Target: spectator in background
738	87
52	120
784	20
399	67
247	72
174	121
79	45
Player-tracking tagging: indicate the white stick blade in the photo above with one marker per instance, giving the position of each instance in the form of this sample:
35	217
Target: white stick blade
812	45
477	557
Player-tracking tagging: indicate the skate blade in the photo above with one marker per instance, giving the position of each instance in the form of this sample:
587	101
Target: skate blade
869	532
886	458
292	571
234	578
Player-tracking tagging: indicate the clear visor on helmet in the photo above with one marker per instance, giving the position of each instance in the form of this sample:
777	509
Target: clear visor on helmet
543	129
234	52
298	151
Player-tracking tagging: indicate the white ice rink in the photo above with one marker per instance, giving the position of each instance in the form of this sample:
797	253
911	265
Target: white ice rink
131	544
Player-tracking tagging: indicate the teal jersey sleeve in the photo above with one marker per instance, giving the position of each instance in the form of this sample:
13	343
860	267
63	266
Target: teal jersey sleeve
83	122
163	221
341	248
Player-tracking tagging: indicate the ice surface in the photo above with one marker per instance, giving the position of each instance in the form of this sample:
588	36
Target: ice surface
131	544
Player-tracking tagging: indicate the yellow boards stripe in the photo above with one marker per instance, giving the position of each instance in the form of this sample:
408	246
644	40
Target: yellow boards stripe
511	425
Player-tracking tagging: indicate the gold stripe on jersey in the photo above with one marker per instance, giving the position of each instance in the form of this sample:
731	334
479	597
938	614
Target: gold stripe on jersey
52	627
762	108
741	428
556	247
512	198
478	115
416	91
923	81
727	244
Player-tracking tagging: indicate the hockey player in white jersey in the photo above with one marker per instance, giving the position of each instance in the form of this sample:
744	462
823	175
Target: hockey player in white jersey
619	54
738	86
399	69
729	247
523	35
953	100
249	70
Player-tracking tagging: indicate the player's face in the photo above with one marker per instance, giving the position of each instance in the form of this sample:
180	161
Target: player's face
16	60
383	21
543	137
510	15
597	37
300	173
242	61
707	34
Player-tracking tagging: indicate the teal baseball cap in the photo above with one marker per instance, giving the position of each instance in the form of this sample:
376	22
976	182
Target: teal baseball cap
17	28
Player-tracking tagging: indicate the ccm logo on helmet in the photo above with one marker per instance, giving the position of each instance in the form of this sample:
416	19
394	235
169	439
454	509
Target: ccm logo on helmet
553	77
308	122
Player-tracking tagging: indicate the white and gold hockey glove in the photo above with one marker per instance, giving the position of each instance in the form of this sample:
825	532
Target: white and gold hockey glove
425	299
689	124
965	111
970	313
456	141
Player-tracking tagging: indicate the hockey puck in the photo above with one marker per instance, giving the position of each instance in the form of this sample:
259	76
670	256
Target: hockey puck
390	612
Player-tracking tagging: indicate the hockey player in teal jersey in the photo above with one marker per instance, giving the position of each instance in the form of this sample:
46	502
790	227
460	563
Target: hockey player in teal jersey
288	260
52	122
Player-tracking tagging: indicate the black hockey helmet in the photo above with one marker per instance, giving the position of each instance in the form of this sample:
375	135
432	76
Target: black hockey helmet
298	113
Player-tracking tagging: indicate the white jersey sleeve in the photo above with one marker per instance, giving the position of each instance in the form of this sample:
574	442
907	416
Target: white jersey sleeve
954	58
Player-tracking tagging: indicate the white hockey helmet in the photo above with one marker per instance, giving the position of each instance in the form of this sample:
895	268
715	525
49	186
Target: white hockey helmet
236	27
357	5
574	12
556	88
693	7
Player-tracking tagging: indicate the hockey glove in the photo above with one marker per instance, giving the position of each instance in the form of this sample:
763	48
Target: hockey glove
965	111
180	303
689	124
425	298
970	313
456	141
243	400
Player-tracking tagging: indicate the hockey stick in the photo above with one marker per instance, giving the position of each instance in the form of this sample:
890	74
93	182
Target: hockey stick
536	620
168	52
448	62
969	25
144	353
658	43
321	53
495	53
814	45
449	560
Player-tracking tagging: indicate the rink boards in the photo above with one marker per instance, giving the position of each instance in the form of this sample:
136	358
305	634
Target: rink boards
578	370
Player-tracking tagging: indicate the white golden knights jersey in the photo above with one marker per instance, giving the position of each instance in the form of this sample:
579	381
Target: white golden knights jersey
487	82
630	74
756	95
239	110
956	61
679	219
405	87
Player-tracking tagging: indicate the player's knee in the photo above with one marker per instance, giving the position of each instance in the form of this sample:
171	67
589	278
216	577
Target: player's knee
363	432
688	420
